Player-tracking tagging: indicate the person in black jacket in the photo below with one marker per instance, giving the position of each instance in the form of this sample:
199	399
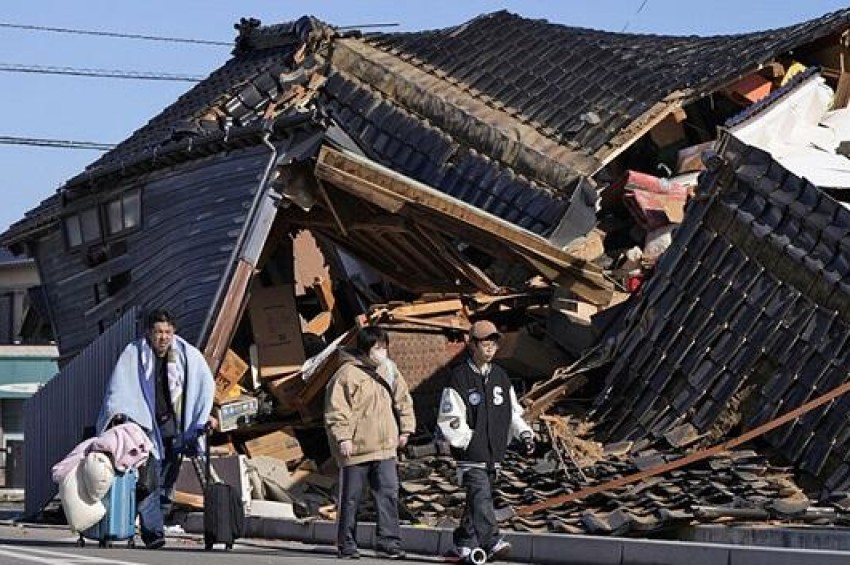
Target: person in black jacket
479	416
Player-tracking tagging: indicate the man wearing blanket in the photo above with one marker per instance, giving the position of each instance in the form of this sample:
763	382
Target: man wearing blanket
163	384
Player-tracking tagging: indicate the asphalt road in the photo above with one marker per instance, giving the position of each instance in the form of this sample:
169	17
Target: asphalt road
56	546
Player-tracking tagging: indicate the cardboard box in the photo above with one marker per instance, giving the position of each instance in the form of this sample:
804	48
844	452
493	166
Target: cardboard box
286	390
281	444
670	129
277	330
227	379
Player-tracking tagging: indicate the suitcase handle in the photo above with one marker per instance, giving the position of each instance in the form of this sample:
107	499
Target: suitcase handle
204	469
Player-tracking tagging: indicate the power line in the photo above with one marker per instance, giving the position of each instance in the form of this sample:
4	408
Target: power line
58	143
639	10
114	34
100	73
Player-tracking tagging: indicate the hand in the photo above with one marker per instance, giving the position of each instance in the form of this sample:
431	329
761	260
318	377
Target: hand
346	447
528	443
117	420
192	448
402	440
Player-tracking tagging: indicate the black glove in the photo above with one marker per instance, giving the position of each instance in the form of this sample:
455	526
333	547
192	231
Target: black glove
117	420
527	439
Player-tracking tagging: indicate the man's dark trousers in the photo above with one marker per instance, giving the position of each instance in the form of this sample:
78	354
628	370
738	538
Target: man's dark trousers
156	504
478	526
382	477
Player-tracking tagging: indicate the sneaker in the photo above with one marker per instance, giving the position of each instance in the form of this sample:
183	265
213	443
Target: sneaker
155	544
393	553
461	552
500	550
175	530
348	554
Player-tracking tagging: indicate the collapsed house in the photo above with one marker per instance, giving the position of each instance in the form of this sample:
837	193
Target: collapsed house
507	168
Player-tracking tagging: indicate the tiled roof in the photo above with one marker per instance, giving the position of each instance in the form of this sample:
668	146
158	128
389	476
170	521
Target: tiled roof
583	86
747	316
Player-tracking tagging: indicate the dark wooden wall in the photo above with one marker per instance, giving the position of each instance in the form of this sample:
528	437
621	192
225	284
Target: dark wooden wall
192	215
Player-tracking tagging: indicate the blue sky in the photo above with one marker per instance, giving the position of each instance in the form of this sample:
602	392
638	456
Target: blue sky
109	110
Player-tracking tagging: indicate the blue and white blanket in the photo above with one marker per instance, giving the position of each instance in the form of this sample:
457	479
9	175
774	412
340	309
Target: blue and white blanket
131	391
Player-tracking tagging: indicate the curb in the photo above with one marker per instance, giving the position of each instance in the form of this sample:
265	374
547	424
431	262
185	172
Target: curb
562	549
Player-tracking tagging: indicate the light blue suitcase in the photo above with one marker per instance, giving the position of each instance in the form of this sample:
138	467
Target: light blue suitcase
119	523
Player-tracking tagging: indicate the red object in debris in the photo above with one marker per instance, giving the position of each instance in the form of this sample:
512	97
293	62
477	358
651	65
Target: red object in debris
634	281
654	202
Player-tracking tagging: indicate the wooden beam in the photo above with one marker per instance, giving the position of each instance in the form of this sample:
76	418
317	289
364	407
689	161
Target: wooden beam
451	306
228	315
339	224
475	275
393	191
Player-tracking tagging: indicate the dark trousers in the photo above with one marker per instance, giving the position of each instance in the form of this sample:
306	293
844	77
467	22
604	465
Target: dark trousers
157	502
382	477
478	526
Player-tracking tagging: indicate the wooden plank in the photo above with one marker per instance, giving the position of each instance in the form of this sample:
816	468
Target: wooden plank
228	315
320	324
842	92
475	275
428	308
367	180
443	322
189	500
325	294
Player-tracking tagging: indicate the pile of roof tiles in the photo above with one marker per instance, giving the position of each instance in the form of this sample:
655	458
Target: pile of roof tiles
737	486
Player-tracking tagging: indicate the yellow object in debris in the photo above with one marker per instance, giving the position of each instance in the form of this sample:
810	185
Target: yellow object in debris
793	70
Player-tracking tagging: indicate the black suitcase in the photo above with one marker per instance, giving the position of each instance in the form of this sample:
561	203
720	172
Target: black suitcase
224	513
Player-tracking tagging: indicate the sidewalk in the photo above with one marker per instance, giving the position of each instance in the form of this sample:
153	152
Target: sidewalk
560	549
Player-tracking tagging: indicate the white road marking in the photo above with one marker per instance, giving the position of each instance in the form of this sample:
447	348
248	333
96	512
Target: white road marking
55	557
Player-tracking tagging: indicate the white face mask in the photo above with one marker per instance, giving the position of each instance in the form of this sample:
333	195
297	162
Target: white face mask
378	355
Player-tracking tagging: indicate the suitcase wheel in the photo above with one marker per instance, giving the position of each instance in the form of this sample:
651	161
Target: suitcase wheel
228	546
131	543
81	542
208	546
101	543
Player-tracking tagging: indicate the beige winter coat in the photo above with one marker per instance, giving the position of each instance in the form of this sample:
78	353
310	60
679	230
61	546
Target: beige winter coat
358	408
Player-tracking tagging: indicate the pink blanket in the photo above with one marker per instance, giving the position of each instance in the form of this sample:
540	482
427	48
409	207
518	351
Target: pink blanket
127	444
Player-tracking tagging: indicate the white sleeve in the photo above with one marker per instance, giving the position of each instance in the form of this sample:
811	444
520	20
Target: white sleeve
518	425
452	419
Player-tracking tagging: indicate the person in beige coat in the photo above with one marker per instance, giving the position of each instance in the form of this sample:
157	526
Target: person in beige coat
368	416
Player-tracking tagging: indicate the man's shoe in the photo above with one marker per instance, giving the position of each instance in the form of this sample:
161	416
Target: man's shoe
500	550
348	555
393	553
155	544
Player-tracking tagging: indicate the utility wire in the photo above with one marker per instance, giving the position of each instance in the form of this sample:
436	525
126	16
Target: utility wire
101	73
639	10
59	143
114	34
